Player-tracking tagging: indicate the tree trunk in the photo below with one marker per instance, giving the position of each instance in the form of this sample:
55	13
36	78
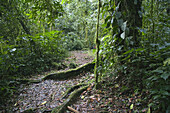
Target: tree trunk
97	46
130	10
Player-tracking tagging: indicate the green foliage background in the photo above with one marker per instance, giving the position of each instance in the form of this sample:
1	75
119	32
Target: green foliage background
28	43
144	66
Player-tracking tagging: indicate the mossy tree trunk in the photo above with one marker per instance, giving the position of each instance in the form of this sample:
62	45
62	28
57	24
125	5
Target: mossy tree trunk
97	46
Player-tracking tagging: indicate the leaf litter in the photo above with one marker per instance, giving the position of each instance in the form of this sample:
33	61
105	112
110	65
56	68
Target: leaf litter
45	95
112	97
48	94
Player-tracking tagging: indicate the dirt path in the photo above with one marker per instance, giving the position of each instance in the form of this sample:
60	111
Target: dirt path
48	94
80	57
112	97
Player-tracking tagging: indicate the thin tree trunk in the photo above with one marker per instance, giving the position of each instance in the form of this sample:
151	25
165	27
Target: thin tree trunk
97	46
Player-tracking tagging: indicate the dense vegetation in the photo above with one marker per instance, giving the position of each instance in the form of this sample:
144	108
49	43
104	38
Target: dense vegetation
132	41
135	47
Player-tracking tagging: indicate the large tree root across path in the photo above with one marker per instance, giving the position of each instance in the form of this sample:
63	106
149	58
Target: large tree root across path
72	93
63	75
70	73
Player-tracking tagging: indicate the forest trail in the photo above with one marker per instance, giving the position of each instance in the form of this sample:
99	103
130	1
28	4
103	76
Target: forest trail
46	95
112	97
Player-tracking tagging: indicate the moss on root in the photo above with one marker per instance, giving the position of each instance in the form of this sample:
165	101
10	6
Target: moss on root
70	73
70	100
62	75
66	94
25	81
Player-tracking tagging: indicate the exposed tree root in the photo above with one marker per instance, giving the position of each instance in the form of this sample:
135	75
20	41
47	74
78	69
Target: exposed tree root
66	94
70	73
25	81
72	93
62	75
71	99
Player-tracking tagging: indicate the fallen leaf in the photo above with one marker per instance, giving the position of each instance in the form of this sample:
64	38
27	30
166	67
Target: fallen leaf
116	85
82	97
110	99
43	103
131	106
16	104
89	88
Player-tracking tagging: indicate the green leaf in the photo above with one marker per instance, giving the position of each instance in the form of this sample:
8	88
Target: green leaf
105	37
155	78
158	71
123	27
120	22
156	96
63	1
165	76
167	61
122	35
140	49
118	15
130	51
126	57
149	110
26	1
107	18
108	24
164	93
103	14
117	6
